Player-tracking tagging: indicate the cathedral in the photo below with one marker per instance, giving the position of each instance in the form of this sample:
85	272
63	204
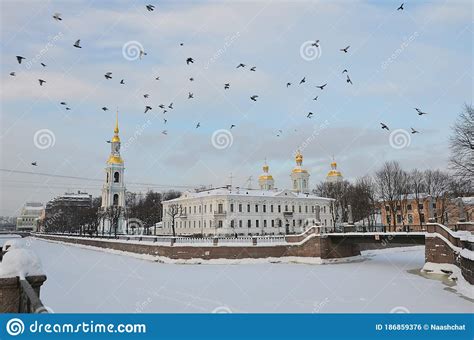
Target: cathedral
113	209
231	211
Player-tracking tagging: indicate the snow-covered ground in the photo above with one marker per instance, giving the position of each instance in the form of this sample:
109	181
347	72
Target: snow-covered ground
85	280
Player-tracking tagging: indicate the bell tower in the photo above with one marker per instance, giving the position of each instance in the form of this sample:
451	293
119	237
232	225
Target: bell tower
299	176
113	190
265	180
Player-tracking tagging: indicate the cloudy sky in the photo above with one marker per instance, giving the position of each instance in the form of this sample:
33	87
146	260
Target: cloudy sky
398	60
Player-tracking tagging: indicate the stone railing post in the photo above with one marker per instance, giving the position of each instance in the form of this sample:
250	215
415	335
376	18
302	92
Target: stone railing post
254	241
215	241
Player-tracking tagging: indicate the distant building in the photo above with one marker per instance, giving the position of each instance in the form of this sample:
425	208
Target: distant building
414	216
70	199
27	221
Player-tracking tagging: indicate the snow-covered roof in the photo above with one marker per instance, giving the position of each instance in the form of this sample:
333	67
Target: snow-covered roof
227	191
468	200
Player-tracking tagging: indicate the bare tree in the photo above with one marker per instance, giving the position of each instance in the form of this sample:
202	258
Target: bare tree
339	192
389	179
417	186
462	144
173	210
437	185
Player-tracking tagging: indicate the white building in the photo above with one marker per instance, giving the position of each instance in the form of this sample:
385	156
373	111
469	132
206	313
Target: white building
113	191
27	221
240	211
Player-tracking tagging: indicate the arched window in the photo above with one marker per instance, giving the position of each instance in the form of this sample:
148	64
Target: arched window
116	177
295	184
116	198
107	177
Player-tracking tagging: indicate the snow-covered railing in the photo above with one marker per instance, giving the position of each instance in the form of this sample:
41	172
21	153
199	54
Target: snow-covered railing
193	240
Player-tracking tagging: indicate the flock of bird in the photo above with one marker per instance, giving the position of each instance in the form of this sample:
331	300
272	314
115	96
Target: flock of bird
189	61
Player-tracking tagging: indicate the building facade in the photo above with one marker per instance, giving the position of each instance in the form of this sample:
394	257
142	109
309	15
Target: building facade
234	211
113	191
28	219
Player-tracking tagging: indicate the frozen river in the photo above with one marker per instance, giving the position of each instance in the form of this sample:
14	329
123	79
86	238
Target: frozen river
84	280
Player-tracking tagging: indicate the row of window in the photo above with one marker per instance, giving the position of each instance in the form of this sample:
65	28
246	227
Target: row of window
256	208
409	219
240	223
409	207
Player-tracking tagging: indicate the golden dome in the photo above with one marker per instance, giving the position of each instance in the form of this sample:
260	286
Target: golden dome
115	139
265	168
115	160
334	165
299	158
333	172
265	176
298	170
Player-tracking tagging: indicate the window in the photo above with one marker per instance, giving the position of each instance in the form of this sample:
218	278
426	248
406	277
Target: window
232	224
210	208
116	198
300	222
257	223
306	209
264	208
399	218
294	223
232	207
409	207
422	218
240	223
116	177
271	208
299	208
389	220
273	223
107	177
286	208
279	208
249	224
256	207
220	224
420	206
264	223
295	184
248	208
387	208
205	208
220	208
410	218
240	207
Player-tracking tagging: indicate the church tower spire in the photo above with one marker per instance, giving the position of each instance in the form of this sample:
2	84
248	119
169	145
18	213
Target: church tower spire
265	180
113	190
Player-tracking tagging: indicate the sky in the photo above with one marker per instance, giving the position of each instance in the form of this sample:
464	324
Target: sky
420	57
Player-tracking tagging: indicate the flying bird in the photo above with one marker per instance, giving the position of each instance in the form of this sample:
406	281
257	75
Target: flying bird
68	108
147	108
420	113
63	103
161	106
105	108
191	79
77	44
19	58
309	115
142	53
315	98
226	86
321	87
108	141
190	95
344	49
254	98
57	17
384	126
181	44
253	68
401	7
170	106
157	78
198	125
344	71
34	164
12	74
240	65
146	95
165	120
315	44
303	80
122	82
150	8
41	82
414	131
348	80
288	84
108	75
232	126
165	132
189	61
43	64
